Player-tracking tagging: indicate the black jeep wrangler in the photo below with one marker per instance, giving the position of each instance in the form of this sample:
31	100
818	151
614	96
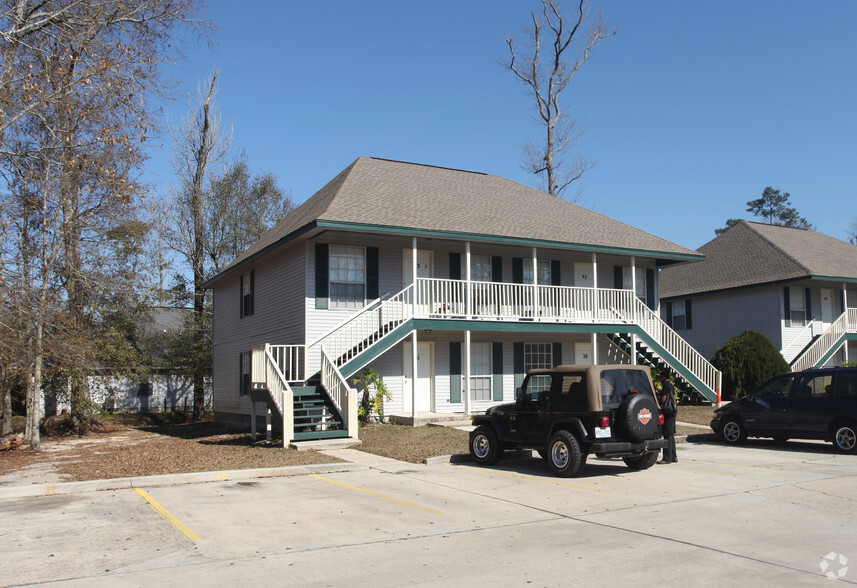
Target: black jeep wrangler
570	411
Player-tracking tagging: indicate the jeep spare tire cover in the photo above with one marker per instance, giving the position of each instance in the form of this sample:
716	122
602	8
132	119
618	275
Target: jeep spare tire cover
637	416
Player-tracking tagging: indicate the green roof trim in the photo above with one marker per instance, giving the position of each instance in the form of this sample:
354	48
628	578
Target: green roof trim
416	232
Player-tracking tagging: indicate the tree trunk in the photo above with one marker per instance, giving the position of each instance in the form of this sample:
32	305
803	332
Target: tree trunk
7	403
198	259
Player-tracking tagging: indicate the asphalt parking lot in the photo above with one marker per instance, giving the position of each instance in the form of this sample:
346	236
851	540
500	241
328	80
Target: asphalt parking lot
762	514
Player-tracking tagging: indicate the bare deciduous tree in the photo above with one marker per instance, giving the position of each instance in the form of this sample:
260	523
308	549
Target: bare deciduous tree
545	77
198	144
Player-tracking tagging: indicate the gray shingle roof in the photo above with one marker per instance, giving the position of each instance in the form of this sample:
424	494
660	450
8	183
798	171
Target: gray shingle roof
751	254
420	198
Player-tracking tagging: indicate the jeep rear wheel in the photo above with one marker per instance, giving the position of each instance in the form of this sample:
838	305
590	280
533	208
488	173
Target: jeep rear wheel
484	446
564	455
641	462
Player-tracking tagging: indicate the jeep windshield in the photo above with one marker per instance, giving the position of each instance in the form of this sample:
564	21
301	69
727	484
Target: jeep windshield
616	384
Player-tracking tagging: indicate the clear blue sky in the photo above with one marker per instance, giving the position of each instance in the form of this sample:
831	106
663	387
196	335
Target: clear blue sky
690	111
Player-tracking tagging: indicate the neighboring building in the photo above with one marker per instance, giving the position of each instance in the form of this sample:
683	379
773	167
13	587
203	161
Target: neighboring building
160	390
796	286
466	279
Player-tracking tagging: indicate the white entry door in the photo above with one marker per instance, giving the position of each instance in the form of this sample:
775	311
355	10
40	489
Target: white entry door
826	307
583	276
424	380
582	353
425	265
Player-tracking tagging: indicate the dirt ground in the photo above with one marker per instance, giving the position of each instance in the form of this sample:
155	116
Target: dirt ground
123	450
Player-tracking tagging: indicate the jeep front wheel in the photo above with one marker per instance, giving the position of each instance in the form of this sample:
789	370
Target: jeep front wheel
564	455
484	446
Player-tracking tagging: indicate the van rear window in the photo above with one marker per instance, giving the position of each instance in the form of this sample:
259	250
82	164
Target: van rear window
616	384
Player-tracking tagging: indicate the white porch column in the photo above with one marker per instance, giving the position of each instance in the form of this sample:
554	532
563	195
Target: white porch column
535	285
634	307
594	289
468	302
414	276
414	376
848	325
466	372
594	348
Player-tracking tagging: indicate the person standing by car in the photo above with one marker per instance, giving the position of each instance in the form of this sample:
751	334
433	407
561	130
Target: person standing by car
669	409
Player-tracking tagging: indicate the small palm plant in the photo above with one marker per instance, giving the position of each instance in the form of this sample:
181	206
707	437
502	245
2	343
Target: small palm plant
371	404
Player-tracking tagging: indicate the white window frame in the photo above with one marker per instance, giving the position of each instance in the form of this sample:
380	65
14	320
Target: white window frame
797	304
544	266
481	372
480	268
679	315
340	274
538	356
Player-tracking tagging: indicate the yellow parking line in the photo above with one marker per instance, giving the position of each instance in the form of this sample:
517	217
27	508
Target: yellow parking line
687	469
514	475
177	524
411	504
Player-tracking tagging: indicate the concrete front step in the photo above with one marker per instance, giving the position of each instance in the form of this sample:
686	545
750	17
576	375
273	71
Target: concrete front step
324	444
430	418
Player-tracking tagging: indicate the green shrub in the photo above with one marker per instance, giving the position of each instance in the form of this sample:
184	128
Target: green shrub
746	361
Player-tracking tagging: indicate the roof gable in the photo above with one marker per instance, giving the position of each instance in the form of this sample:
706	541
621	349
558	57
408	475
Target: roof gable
751	254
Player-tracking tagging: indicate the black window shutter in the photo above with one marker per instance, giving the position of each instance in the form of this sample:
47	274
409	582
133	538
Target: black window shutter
518	363
454	371
557	354
517	270
688	315
372	290
808	295
454	266
650	288
669	309
252	308
556	276
241	294
618	282
787	305
496	269
321	275
497	359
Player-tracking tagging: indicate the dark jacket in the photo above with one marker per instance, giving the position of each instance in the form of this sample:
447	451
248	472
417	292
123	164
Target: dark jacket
669	408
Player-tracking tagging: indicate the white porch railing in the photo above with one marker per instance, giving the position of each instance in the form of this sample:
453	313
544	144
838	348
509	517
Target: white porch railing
342	395
290	360
270	384
450	299
664	336
846	322
367	327
799	341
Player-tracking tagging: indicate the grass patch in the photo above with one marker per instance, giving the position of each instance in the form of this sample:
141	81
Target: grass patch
412	444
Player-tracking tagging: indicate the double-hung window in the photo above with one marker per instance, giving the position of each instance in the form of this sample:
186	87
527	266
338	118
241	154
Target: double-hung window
679	315
538	356
248	293
347	276
544	272
480	371
797	307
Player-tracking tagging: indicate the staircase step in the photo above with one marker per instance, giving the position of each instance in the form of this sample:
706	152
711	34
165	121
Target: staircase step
334	434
